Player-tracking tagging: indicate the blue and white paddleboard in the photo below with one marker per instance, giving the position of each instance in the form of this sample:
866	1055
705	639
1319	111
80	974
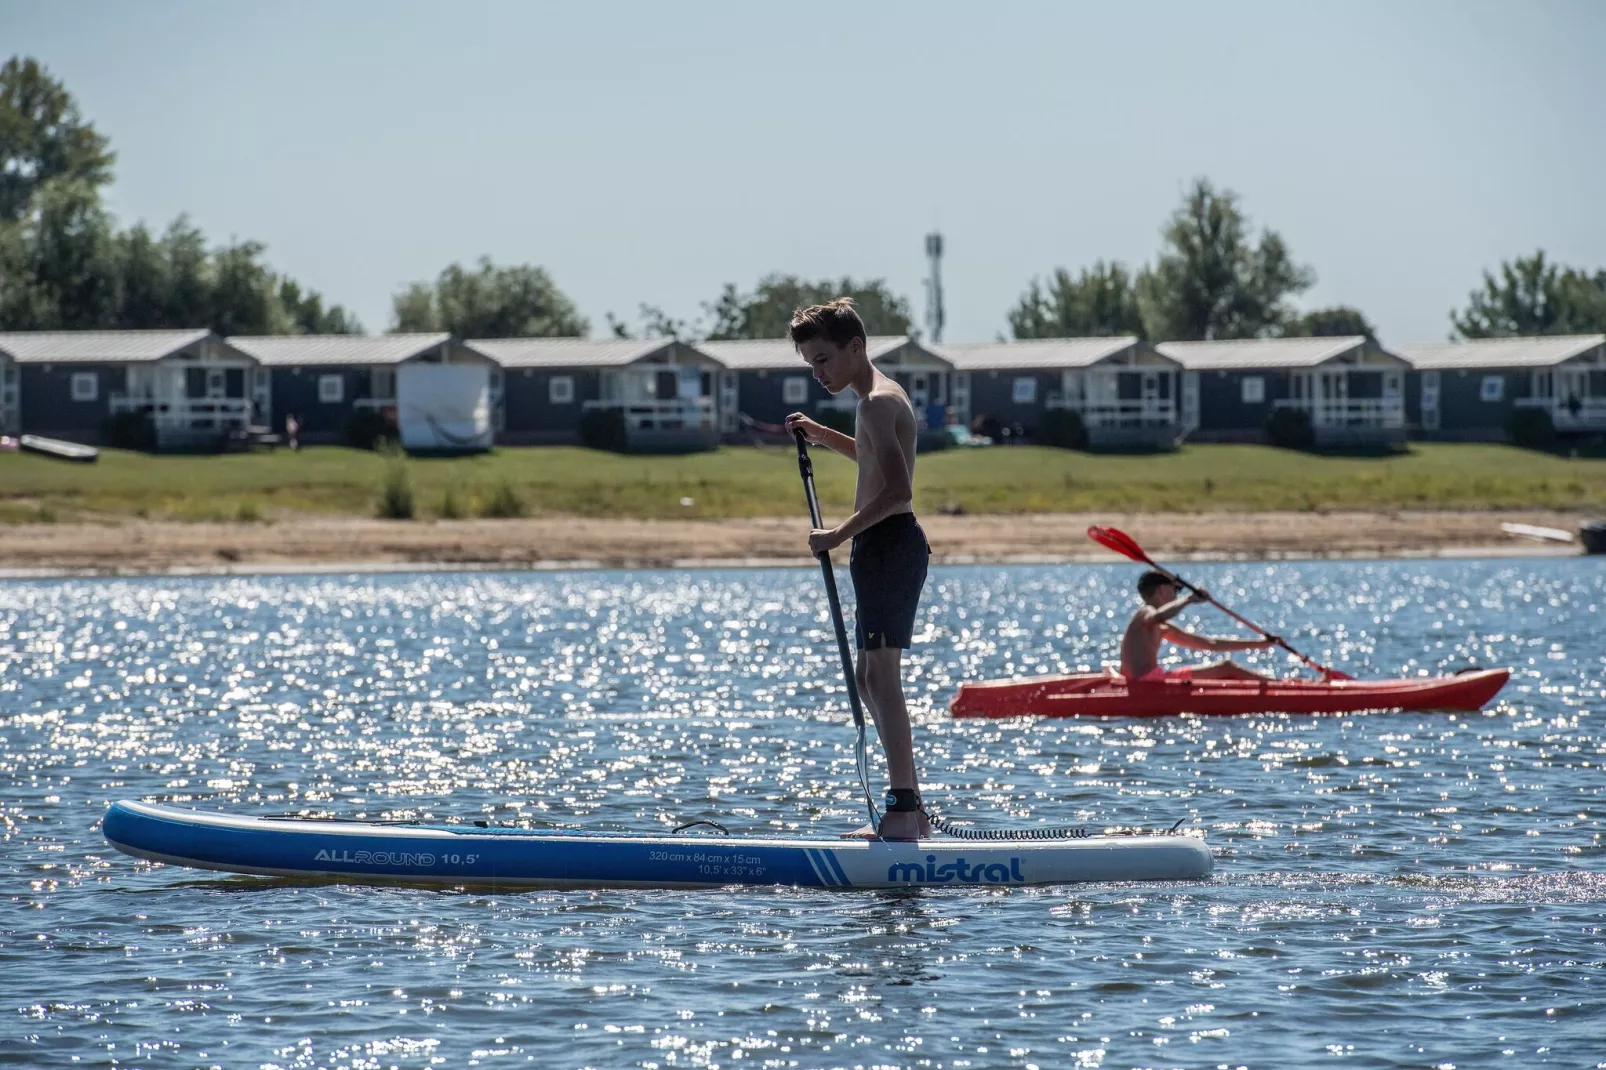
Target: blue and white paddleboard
466	854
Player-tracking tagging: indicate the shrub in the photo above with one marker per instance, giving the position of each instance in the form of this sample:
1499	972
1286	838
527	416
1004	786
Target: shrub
248	512
396	491
503	503
452	505
369	429
1290	429
604	429
1062	428
842	420
131	431
1531	429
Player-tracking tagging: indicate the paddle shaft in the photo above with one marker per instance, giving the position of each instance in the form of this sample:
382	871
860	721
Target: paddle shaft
805	468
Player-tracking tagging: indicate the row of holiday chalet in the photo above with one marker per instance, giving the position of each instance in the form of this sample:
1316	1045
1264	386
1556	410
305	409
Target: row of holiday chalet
194	389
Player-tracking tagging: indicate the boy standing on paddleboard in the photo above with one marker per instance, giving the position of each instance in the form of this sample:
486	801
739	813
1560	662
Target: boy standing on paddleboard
1151	625
890	553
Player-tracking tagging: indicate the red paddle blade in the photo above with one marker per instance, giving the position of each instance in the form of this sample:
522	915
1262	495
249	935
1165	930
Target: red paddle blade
1119	541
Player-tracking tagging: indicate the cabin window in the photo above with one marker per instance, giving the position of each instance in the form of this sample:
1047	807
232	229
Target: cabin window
331	389
85	386
1253	390
560	390
794	390
1024	391
1493	388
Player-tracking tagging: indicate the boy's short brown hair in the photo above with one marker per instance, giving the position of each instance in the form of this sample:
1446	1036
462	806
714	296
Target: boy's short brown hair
836	321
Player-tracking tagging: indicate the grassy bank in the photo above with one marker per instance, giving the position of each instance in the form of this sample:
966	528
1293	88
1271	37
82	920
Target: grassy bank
764	482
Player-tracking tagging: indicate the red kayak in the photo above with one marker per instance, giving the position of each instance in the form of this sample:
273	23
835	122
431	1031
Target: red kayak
1108	694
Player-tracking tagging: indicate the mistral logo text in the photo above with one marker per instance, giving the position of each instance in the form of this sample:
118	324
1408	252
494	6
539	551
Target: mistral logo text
375	858
957	870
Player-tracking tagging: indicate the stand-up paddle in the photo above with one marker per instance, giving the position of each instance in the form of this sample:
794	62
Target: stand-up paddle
1125	545
805	468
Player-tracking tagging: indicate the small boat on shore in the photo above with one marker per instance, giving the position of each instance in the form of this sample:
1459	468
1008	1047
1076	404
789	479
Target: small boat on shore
59	449
1109	694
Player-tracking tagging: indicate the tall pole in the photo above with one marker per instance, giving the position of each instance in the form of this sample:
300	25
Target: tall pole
934	312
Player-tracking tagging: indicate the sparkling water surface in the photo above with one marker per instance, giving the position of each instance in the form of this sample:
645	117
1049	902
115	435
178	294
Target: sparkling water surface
1414	890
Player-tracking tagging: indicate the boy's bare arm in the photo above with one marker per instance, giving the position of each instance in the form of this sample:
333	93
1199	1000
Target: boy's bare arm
1183	637
878	423
817	434
1154	616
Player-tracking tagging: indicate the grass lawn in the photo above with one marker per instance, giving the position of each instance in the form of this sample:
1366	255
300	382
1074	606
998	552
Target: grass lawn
745	481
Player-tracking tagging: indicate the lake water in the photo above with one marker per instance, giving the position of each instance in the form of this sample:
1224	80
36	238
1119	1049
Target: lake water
1392	890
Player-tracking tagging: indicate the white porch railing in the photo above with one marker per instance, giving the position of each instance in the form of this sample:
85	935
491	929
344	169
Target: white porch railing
1157	412
188	414
1589	416
1381	413
678	415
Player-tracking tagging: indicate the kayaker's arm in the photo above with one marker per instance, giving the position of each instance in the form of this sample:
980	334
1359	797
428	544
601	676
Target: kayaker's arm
1221	645
1155	616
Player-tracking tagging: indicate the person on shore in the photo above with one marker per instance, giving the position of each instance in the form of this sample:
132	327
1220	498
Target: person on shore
292	432
890	552
1151	625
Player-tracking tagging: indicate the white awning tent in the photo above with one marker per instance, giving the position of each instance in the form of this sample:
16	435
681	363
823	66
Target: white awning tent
444	407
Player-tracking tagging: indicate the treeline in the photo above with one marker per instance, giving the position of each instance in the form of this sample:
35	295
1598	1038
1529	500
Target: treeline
65	265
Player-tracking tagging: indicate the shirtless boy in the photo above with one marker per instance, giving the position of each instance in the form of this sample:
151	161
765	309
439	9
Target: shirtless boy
1151	625
890	553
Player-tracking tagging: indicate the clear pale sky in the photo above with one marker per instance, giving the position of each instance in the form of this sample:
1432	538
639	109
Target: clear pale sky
652	151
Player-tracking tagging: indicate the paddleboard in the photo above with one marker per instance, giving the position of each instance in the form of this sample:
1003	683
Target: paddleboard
510	857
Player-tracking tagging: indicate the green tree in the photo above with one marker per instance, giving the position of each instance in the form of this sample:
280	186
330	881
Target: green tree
1336	322
520	301
144	280
1102	301
189	293
655	323
1211	281
767	311
1533	295
309	316
43	137
61	270
245	293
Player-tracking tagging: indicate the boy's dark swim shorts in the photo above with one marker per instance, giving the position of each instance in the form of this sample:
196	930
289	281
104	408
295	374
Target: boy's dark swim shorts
889	569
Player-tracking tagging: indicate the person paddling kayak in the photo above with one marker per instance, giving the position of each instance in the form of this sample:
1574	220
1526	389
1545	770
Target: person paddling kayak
890	552
1151	625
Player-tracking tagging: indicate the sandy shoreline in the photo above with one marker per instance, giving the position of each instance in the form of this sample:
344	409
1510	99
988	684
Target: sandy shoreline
341	543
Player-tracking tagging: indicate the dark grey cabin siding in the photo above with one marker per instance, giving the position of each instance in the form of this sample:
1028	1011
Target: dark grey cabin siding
45	398
1463	414
1224	414
760	394
992	393
531	418
295	392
